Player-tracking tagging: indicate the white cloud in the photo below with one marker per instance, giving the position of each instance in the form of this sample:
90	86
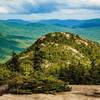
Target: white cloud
93	2
65	9
18	4
3	10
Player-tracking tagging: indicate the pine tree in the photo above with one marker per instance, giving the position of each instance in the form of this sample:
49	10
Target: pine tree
38	58
94	72
15	64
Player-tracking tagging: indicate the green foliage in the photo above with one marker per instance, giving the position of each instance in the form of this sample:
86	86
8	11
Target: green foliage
39	55
15	64
78	74
52	62
94	72
4	75
69	58
74	74
50	85
26	85
20	85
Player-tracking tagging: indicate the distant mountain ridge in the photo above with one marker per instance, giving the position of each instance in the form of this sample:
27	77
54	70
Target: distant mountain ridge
15	21
73	23
59	22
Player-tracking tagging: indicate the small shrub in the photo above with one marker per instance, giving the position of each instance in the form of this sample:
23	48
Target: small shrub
21	85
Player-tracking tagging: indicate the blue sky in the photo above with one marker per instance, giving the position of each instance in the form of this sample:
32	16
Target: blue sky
49	9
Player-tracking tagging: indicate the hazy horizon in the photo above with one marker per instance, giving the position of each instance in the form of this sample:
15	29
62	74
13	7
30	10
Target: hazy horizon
47	19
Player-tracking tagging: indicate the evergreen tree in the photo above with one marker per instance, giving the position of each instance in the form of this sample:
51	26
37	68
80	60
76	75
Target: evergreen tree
38	58
94	72
15	64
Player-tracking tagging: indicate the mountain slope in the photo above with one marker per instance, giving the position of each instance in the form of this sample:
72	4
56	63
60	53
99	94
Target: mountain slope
53	61
61	49
65	56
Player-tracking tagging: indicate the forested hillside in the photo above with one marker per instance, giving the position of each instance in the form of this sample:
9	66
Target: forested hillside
51	63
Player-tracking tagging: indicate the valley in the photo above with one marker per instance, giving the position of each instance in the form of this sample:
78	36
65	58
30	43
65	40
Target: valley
17	35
